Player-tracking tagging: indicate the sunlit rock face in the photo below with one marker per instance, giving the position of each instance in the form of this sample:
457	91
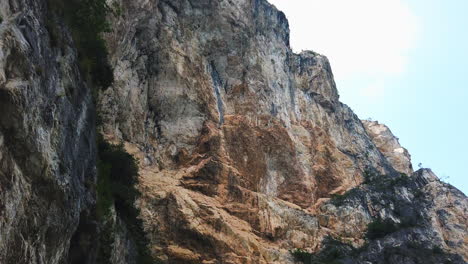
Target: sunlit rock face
388	144
47	146
241	142
189	72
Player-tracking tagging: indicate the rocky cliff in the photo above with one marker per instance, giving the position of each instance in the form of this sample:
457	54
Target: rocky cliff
245	153
47	146
242	143
389	146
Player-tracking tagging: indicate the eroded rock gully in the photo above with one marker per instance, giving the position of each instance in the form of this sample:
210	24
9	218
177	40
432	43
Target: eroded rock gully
241	144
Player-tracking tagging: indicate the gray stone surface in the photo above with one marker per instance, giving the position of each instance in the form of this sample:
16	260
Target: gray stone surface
388	144
47	146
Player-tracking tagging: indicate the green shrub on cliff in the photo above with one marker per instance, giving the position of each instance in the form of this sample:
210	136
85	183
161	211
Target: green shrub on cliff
340	199
117	178
87	20
333	251
118	173
379	228
302	255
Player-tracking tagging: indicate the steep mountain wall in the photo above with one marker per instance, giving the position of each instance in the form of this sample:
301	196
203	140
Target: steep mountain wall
47	145
182	68
242	142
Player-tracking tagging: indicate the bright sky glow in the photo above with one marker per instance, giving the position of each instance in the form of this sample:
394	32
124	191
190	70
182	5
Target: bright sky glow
359	36
401	62
367	38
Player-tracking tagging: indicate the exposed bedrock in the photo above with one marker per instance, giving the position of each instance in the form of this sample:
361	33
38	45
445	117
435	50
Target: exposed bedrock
47	145
245	151
241	142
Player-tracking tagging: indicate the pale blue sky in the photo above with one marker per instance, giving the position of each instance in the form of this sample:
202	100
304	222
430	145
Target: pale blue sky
401	62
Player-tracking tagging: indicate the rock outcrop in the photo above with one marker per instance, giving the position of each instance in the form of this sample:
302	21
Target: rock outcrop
245	152
47	145
408	226
388	144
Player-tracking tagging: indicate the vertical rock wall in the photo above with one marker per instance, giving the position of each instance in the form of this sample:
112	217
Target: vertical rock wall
241	142
183	66
47	145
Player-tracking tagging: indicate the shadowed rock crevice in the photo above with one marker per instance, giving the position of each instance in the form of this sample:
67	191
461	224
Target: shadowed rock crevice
217	83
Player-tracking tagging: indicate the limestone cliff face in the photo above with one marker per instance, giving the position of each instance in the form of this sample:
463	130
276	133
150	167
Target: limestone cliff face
245	151
198	77
242	142
47	146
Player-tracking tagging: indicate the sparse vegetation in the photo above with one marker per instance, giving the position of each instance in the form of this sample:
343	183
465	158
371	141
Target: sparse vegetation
419	194
401	180
382	190
373	180
87	20
106	239
379	229
368	176
333	252
302	255
117	9
117	177
340	199
117	170
385	181
419	253
437	250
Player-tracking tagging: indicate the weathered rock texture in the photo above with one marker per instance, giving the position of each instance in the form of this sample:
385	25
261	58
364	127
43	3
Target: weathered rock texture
430	219
241	145
47	146
241	142
388	144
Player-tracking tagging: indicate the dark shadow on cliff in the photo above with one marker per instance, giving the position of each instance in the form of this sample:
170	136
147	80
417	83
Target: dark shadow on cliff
116	188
